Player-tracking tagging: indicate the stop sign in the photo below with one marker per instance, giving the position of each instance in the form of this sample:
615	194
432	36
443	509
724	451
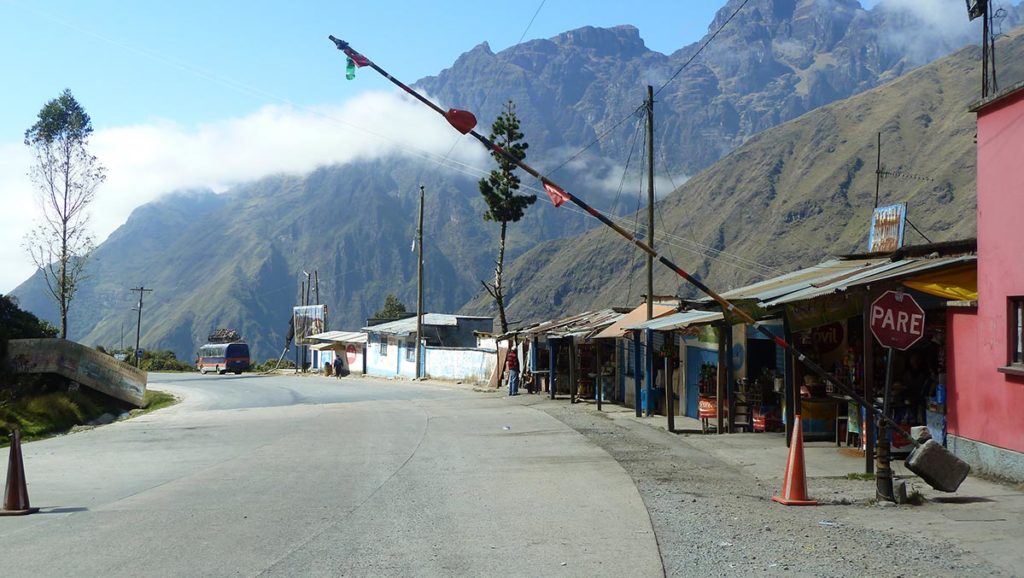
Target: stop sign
897	320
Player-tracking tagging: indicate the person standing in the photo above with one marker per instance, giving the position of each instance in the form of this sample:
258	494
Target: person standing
337	367
512	365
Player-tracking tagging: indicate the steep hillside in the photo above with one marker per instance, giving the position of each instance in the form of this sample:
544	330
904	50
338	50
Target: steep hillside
236	259
790	195
776	60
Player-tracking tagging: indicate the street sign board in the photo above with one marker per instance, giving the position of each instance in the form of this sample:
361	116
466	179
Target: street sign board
896	320
138	353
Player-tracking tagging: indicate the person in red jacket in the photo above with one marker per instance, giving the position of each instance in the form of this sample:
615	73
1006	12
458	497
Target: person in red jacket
512	364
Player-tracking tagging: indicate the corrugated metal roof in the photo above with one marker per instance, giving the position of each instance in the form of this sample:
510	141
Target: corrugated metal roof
799	280
889	271
407	326
680	320
581	324
340	336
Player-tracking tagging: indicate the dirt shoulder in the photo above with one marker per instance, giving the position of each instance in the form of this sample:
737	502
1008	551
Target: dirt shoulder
716	518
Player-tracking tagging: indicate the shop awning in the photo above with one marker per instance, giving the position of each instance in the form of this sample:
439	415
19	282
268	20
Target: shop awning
679	320
638	315
892	271
339	337
957	284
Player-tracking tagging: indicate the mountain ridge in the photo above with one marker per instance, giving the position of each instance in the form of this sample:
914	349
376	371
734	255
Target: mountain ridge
237	261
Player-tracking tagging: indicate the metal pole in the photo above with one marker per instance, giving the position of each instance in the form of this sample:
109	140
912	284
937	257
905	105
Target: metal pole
636	372
984	56
723	376
867	426
316	292
419	288
883	477
305	302
878	168
552	360
650	201
649	371
598	389
667	382
791	388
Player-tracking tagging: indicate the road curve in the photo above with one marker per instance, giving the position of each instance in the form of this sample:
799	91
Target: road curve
285	476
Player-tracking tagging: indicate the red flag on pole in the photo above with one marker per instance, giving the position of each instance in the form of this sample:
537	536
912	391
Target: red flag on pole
556	194
359	59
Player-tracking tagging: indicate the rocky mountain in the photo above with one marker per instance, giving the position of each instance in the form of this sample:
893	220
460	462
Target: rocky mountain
790	196
236	259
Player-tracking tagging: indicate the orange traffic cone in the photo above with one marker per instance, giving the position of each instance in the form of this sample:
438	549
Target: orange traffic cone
16	493
794	482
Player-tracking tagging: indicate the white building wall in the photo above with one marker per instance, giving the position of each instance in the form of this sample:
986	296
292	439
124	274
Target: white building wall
459	363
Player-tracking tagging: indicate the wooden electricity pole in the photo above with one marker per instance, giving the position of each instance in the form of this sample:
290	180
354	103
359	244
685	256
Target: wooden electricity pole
138	327
419	289
650	201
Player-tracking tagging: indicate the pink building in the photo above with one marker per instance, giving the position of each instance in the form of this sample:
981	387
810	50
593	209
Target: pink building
985	363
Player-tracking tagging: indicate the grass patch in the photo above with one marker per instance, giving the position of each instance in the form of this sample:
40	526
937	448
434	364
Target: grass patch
41	414
154	400
859	477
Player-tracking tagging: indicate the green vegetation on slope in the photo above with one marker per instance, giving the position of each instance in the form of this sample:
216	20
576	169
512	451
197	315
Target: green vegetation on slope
791	196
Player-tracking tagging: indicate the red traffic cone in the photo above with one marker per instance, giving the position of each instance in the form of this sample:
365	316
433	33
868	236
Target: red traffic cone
794	482
16	493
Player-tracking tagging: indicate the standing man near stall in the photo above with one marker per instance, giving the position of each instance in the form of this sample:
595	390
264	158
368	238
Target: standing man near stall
512	365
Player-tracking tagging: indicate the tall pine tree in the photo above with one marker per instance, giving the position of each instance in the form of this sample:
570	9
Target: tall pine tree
504	206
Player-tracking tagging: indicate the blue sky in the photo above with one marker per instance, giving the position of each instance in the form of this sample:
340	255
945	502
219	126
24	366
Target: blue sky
193	61
193	94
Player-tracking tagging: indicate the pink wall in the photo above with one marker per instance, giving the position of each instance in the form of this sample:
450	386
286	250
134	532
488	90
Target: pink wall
985	405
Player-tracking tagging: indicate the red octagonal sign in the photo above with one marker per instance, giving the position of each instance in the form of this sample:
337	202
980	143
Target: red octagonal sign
897	320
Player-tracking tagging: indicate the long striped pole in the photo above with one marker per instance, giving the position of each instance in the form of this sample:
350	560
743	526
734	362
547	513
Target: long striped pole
464	122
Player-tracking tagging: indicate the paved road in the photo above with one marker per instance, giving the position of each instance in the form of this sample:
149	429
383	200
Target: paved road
286	476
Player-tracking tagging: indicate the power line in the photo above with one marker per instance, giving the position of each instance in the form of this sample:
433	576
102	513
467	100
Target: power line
702	47
640	108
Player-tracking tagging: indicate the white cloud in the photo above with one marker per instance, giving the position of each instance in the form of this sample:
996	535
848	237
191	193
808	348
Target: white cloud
927	29
603	176
146	160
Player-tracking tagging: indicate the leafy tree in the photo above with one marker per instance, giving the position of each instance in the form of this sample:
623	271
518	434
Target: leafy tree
504	206
16	323
66	176
392	309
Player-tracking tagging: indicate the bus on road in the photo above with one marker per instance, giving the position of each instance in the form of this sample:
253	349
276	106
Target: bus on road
223	357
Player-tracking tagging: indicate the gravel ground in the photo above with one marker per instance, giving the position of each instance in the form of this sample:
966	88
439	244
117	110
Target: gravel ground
711	519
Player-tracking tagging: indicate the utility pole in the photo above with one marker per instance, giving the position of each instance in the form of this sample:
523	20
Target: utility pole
316	292
650	200
419	289
878	169
138	327
298	348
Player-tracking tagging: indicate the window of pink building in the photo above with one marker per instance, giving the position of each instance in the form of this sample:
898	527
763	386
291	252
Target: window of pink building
1016	332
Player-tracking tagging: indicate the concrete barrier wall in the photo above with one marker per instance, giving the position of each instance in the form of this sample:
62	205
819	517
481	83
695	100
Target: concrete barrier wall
459	363
77	362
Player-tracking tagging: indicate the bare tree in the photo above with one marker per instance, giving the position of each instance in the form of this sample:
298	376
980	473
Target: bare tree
65	175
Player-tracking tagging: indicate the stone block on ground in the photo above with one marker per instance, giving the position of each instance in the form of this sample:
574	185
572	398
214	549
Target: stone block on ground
937	466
